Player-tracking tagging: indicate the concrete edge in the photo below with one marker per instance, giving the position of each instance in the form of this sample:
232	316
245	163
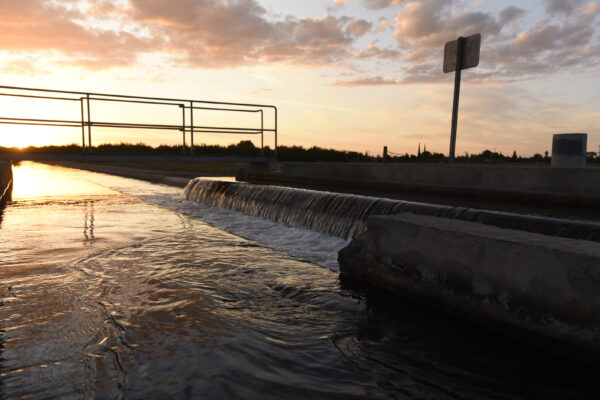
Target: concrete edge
6	178
541	290
474	192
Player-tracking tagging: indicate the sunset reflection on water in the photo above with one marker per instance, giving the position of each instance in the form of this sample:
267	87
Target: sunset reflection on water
34	181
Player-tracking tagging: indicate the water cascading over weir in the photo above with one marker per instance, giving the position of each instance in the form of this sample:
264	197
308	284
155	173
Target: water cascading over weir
344	215
535	278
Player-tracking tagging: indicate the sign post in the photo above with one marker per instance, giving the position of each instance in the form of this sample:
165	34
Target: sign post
459	54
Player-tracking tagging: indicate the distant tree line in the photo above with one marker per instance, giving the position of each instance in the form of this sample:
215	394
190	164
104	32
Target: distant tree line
298	153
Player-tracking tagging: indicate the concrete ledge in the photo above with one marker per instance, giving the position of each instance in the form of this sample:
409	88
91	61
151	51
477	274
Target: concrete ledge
519	183
5	180
544	290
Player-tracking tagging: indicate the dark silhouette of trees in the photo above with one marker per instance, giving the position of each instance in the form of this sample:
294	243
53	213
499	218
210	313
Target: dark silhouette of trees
297	153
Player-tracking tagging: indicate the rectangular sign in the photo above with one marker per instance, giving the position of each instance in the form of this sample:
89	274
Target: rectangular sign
470	53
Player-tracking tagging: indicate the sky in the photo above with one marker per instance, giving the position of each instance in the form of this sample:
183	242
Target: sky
345	74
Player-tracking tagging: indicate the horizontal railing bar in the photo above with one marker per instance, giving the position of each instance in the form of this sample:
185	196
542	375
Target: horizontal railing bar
222	109
228	132
38	97
126	124
131	126
138	101
178	127
188	129
24	121
168	128
39	124
137	97
41	120
224	128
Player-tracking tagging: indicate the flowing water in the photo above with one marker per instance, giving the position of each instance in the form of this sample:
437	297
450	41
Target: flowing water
116	288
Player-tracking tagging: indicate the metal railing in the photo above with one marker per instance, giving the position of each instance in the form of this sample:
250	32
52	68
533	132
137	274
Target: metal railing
187	106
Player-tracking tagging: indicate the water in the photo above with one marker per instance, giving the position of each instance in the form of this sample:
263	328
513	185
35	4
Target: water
108	295
344	215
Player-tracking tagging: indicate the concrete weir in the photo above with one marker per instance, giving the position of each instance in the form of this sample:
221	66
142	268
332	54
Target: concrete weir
541	289
522	183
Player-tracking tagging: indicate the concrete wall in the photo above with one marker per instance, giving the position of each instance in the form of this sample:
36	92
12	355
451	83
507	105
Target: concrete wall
541	289
562	185
5	179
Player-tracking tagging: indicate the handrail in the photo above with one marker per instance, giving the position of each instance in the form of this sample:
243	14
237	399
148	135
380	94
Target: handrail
188	106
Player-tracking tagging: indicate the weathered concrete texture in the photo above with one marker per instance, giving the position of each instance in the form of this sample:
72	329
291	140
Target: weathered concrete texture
542	289
522	183
5	180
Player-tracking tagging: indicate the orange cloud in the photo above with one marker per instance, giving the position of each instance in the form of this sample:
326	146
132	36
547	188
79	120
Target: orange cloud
201	33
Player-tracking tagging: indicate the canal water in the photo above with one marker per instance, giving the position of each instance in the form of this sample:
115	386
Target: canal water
116	288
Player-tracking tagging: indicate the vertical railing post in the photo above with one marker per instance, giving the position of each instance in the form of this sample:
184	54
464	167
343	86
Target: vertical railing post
89	122
275	132
262	131
192	126
82	126
183	125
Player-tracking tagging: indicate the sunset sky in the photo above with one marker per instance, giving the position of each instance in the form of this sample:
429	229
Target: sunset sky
347	74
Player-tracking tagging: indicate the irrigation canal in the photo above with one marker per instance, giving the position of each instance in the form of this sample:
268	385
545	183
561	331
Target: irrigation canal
118	288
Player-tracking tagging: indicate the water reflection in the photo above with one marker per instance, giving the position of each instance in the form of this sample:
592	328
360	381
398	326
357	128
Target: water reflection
38	182
88	224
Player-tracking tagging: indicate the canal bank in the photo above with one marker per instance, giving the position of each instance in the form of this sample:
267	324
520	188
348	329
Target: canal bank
537	185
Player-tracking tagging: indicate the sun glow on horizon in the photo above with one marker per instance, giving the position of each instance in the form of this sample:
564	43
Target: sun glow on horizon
344	75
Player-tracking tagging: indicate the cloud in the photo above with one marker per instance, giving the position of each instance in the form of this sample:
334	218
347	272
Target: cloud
216	34
372	81
200	33
561	6
513	49
222	34
373	51
35	25
358	27
432	23
380	4
510	14
22	67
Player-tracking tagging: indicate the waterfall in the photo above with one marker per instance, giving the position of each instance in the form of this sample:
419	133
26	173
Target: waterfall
343	215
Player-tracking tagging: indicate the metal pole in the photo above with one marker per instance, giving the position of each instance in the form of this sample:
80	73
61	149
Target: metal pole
183	126
275	132
82	126
192	126
459	50
89	122
262	127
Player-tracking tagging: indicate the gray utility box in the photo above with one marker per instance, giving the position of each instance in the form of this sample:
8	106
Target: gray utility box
569	150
